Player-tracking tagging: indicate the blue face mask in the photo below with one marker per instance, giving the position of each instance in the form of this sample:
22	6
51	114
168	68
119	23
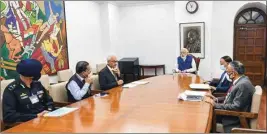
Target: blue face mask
222	67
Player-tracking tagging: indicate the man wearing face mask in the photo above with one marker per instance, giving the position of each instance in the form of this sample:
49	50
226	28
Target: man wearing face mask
110	77
224	82
26	98
185	63
78	86
239	97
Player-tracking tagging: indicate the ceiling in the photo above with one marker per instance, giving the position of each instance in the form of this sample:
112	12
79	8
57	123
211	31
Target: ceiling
128	3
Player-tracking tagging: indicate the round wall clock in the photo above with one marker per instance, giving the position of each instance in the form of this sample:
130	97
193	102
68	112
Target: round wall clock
191	7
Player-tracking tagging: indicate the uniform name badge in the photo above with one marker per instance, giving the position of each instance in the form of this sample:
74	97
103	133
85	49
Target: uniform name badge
34	99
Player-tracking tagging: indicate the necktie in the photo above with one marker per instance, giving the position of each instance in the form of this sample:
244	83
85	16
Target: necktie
83	81
230	89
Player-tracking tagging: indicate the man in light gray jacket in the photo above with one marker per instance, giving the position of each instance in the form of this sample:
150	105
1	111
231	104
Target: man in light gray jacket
238	99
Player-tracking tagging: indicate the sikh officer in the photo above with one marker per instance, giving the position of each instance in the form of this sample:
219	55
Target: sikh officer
26	98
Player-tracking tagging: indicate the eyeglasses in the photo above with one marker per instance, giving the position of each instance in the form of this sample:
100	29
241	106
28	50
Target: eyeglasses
115	61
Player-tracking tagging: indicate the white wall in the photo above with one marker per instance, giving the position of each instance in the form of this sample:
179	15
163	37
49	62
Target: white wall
148	32
83	33
223	30
202	15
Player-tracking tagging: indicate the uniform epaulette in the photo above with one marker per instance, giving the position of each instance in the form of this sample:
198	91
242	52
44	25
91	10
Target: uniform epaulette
12	86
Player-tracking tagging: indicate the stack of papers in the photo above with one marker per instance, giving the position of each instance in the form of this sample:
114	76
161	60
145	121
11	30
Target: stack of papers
60	112
192	95
200	86
133	84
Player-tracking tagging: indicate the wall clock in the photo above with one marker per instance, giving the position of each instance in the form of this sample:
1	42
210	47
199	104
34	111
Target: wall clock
191	7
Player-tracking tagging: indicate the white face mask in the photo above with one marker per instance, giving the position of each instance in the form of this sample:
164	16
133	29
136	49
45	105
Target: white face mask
222	67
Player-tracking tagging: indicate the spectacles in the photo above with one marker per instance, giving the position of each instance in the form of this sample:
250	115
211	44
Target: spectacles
115	61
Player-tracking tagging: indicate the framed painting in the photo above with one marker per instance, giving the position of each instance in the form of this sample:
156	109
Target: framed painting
192	37
33	29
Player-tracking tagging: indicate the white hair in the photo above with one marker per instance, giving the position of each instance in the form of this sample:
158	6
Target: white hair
184	50
110	56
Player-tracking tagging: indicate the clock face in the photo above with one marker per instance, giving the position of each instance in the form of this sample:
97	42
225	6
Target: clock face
192	6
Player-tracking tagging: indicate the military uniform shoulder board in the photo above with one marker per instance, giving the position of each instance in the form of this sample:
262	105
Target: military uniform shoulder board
12	86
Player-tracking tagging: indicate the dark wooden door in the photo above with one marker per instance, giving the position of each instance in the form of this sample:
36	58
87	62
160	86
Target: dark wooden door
250	43
250	49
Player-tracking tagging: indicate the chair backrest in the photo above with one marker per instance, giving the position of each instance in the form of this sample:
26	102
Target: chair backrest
96	85
100	66
58	92
45	81
255	105
64	75
197	60
4	84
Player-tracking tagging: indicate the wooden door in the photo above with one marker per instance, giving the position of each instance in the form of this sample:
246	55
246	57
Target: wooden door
250	45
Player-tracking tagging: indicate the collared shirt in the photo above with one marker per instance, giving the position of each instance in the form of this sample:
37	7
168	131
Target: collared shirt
234	83
112	72
76	91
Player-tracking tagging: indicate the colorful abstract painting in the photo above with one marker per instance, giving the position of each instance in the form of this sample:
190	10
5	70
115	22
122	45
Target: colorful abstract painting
33	29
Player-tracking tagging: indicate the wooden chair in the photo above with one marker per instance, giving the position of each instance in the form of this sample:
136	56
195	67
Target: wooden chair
244	130
243	116
197	61
100	66
59	94
45	82
64	75
95	87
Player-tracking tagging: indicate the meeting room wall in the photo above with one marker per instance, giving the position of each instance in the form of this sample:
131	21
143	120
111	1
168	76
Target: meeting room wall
83	33
224	13
149	32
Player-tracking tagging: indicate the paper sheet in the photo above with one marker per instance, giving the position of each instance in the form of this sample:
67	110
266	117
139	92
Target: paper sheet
199	86
140	82
60	112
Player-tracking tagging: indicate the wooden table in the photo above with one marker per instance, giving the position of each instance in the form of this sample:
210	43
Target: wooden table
153	107
152	67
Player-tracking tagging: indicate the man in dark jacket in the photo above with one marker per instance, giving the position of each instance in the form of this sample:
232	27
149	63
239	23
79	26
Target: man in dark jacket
110	77
26	98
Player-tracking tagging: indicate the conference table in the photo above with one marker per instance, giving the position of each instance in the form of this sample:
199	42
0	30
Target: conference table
153	107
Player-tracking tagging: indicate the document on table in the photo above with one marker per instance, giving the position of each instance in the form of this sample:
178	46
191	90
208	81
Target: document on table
135	83
192	95
60	112
140	82
200	86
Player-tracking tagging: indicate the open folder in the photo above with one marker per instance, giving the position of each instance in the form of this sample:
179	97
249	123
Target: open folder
60	112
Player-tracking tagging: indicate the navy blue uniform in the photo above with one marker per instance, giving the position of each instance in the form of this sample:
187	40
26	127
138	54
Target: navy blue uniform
21	103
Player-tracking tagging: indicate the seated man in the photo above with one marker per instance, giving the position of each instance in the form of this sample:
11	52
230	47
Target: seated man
239	97
109	77
185	63
26	98
224	82
78	86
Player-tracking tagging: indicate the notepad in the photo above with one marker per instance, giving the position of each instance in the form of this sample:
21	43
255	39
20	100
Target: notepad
199	86
140	82
130	85
60	112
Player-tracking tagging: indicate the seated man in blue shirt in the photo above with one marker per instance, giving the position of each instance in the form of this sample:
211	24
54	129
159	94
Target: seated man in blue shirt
78	87
185	63
224	82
